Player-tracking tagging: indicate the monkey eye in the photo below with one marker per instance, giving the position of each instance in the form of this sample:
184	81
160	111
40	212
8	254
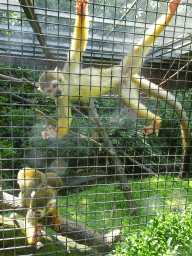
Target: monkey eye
38	213
54	85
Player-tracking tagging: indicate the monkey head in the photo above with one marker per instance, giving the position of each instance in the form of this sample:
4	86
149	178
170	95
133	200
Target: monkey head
49	84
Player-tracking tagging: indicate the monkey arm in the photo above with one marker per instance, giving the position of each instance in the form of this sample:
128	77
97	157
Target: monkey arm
33	231
56	219
134	58
64	115
80	36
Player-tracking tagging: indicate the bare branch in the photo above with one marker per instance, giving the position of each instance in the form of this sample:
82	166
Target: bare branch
23	81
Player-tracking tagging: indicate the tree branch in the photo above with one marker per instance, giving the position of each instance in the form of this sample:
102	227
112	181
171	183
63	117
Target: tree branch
33	20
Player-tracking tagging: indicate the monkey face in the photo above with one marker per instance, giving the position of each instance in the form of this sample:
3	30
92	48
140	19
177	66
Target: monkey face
51	89
42	203
33	228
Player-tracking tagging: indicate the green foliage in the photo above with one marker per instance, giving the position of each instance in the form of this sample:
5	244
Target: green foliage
16	118
166	235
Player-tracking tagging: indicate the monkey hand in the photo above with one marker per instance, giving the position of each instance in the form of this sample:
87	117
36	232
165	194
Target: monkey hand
81	7
56	219
153	127
49	133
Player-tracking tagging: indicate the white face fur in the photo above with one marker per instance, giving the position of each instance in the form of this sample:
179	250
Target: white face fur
43	211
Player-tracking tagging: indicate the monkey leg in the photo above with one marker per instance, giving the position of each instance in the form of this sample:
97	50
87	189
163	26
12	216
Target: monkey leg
130	96
154	126
159	93
141	111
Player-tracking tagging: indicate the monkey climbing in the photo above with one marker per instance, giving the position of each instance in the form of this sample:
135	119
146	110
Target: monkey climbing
74	83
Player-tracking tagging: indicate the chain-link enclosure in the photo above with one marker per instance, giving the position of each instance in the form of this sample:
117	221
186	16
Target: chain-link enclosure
95	127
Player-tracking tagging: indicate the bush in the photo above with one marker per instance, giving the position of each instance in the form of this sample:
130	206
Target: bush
166	235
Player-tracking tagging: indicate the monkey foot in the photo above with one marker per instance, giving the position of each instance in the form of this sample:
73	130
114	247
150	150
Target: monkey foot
49	133
153	127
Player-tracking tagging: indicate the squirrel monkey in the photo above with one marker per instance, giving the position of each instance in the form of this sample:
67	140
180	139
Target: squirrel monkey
75	83
39	195
42	203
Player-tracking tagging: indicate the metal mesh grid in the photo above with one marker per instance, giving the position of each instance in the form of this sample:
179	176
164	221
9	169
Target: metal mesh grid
115	181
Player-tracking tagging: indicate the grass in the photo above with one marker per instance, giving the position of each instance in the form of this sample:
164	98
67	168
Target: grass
104	205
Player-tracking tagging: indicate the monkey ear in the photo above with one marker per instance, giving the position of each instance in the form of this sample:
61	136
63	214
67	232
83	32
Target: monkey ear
52	202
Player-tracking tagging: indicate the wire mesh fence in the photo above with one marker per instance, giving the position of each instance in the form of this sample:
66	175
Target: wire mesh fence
95	127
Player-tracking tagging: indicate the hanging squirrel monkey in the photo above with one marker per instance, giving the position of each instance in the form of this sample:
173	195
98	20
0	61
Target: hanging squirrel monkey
39	195
74	83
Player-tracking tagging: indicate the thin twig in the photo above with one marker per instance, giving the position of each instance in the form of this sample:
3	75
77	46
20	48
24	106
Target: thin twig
96	143
84	116
44	116
188	62
24	81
